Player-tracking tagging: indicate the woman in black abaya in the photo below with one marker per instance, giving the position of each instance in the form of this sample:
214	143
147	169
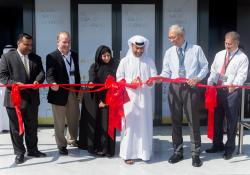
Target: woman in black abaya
93	129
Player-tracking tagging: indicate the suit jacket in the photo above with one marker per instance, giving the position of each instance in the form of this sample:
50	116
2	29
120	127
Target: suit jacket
12	71
56	72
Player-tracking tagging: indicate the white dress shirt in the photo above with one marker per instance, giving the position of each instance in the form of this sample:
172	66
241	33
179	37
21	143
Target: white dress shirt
67	60
195	62
25	60
237	69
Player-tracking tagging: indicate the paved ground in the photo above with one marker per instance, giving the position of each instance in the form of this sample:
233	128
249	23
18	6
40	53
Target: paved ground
79	162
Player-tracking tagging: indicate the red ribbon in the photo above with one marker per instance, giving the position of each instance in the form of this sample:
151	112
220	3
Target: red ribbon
116	97
210	104
16	100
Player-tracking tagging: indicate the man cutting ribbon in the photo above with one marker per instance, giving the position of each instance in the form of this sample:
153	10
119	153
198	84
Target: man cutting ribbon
230	67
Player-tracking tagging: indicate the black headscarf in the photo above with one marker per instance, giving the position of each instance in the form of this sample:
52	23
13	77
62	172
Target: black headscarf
100	70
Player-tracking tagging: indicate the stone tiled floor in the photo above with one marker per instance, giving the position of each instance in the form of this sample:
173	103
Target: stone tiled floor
82	163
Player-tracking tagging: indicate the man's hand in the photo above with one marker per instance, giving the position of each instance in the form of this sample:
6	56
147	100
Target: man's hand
136	80
35	82
55	88
231	89
192	82
91	87
149	83
19	83
102	105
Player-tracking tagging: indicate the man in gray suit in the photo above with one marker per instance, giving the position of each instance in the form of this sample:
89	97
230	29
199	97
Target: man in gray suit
21	66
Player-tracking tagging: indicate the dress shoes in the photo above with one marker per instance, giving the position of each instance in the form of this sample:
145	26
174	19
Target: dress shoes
63	151
100	154
196	161
72	143
175	158
215	149
36	154
227	156
19	159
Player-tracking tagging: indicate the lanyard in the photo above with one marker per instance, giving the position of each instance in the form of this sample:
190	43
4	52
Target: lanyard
229	59
69	62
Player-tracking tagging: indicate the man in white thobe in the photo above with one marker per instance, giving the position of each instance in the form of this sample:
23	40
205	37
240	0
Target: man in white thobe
137	132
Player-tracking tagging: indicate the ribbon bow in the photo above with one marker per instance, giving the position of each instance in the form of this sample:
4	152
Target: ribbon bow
116	97
210	104
16	100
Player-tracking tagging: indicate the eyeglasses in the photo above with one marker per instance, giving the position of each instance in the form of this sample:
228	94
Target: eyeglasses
172	37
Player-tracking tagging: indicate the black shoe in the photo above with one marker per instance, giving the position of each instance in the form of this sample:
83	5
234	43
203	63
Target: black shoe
227	156
36	154
100	154
19	159
196	161
63	151
215	149
175	158
109	155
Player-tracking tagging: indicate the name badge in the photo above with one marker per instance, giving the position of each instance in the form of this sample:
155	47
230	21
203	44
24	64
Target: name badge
182	72
223	78
71	73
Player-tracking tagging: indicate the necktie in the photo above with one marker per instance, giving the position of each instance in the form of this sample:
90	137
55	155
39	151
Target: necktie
223	68
25	63
181	57
181	63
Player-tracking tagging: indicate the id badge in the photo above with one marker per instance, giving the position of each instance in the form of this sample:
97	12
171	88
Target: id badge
71	73
182	72
223	78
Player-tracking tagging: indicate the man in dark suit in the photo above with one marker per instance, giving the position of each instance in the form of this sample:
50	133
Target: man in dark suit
62	67
23	67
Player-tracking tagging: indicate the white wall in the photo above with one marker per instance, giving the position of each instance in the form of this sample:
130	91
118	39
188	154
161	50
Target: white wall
51	17
183	12
94	29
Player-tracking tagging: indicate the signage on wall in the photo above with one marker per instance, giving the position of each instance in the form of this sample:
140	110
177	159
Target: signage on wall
183	12
51	16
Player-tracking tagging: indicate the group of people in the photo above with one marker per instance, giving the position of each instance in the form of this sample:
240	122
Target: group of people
229	68
182	60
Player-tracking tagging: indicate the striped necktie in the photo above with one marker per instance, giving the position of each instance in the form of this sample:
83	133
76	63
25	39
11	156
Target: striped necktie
25	63
224	67
181	57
